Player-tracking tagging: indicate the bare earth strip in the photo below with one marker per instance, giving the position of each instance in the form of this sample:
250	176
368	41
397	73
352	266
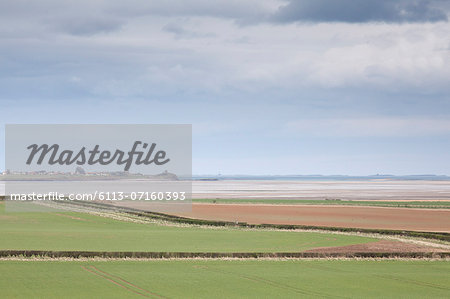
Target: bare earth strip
437	220
380	246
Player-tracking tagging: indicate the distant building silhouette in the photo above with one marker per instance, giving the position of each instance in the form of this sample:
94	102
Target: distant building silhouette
80	170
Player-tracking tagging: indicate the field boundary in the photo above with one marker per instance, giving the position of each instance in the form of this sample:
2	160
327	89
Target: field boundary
442	236
215	255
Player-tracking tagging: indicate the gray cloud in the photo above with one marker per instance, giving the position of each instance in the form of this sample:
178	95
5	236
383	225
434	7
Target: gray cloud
85	17
95	17
357	11
180	32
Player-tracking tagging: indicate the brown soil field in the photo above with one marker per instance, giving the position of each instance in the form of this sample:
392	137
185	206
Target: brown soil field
432	220
380	246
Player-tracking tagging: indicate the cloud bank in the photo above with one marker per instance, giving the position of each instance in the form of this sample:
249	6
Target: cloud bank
302	79
356	11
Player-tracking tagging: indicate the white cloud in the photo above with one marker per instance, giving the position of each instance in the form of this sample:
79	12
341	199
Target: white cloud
153	50
401	56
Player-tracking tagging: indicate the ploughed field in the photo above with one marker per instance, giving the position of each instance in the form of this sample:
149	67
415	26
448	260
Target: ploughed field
333	203
226	279
415	219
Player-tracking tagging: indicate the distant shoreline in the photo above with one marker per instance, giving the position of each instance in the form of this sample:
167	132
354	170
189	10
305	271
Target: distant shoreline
425	177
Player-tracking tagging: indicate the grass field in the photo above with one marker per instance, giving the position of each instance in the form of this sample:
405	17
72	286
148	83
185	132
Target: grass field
226	279
85	232
372	203
191	278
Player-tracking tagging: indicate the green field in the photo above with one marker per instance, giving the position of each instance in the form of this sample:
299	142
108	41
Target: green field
374	203
84	232
226	279
219	278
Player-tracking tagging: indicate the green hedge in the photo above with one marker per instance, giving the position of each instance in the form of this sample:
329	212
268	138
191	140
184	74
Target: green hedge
178	219
158	255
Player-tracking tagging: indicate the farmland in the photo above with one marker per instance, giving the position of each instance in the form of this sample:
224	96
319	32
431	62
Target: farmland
49	277
226	279
82	231
394	218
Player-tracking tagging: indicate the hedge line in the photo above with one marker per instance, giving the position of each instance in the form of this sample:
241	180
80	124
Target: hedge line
158	255
179	219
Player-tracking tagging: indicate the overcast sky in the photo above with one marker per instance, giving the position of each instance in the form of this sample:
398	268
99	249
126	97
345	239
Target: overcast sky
271	87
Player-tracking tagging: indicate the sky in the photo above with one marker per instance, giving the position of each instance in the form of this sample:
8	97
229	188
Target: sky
271	87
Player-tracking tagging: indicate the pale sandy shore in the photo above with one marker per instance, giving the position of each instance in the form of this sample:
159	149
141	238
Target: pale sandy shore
344	190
